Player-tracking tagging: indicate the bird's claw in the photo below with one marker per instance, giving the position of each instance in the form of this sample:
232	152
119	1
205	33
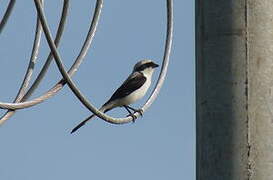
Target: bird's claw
133	116
140	111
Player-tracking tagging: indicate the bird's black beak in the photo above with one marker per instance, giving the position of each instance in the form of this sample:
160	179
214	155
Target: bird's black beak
155	65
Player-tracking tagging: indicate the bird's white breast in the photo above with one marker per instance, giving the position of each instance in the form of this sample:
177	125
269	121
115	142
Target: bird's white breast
138	94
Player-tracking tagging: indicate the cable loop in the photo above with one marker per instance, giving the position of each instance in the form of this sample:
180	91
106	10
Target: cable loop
72	70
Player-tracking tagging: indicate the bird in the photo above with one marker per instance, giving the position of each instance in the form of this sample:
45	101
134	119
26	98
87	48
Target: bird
131	90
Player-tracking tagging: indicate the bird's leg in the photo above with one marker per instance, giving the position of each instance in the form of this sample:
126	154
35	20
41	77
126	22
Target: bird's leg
130	113
140	111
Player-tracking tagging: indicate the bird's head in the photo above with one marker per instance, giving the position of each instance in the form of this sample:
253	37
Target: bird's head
145	66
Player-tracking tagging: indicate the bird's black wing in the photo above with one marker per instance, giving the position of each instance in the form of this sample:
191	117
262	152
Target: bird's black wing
135	81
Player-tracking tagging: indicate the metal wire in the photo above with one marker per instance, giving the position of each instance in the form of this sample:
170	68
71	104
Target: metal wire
22	91
72	70
7	15
166	57
29	71
67	75
59	34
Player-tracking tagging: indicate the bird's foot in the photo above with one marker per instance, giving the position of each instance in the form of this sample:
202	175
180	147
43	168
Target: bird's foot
133	116
140	111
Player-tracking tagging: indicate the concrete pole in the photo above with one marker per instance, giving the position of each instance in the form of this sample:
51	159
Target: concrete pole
234	77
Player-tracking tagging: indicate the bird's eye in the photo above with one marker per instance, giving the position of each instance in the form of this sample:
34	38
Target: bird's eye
144	66
141	68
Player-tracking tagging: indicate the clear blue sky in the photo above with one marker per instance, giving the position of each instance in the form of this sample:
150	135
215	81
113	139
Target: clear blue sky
36	143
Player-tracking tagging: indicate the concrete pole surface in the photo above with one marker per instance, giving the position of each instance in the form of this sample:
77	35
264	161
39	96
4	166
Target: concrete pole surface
234	77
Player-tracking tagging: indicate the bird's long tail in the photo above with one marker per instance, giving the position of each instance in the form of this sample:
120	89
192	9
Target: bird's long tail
82	123
103	109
